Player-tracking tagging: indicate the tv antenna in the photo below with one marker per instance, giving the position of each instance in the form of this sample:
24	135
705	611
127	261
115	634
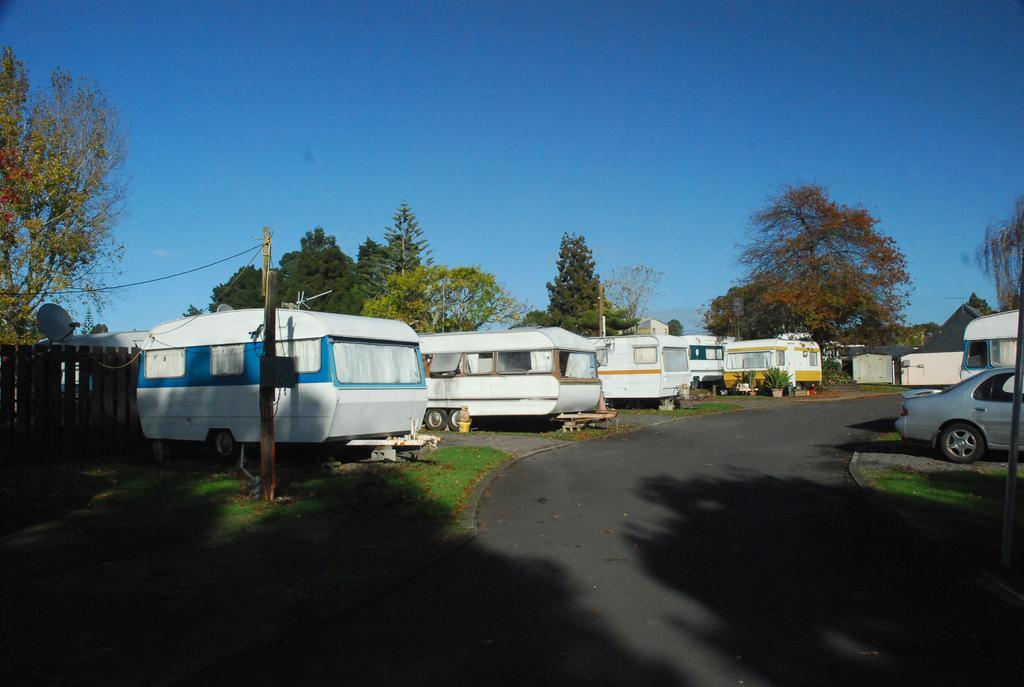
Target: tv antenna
302	300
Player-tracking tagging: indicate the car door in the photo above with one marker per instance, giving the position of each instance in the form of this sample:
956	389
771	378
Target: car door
990	406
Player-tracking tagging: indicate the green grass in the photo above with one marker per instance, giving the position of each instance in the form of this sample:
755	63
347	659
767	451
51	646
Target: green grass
888	436
150	573
883	388
701	408
971	493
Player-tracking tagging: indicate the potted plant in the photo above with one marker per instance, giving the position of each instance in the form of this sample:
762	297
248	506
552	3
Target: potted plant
776	379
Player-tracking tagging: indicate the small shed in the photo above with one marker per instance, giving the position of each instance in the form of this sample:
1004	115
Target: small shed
872	368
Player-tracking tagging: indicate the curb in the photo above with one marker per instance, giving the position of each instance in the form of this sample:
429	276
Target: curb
987	581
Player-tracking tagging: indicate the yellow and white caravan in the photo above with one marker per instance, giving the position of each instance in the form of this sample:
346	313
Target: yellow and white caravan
801	359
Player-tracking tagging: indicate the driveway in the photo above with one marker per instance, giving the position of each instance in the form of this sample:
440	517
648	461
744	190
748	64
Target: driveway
726	549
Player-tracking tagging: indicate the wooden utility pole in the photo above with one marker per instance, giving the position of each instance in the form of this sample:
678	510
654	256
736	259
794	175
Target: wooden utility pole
268	476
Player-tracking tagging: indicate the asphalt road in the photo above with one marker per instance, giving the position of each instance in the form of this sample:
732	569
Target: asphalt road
723	550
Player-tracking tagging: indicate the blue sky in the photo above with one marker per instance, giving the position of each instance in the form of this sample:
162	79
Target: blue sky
653	128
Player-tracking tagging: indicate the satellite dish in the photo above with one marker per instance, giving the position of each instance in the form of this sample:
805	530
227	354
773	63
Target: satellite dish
224	307
55	322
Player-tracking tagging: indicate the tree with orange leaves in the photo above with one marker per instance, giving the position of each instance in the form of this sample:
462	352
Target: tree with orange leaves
827	265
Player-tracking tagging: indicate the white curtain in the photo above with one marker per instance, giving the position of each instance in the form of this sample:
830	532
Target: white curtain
1004	352
780	358
578	365
645	354
305	351
168	362
675	360
227	360
521	362
480	363
363	363
752	360
541	361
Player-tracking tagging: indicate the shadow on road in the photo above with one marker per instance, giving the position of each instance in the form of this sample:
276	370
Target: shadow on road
835	604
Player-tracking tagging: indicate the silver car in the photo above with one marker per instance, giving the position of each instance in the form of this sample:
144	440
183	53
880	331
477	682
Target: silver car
962	420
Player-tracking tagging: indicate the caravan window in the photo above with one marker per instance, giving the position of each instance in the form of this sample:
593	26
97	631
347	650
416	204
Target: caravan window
1004	352
675	360
602	356
814	358
645	354
376	363
977	354
166	363
749	360
523	362
780	358
227	360
479	363
715	353
577	365
445	364
305	351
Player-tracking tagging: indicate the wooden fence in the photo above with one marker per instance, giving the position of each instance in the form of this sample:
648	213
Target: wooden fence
65	403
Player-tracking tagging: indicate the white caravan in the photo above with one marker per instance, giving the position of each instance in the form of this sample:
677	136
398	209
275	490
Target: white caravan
357	377
707	358
989	341
801	359
521	371
643	367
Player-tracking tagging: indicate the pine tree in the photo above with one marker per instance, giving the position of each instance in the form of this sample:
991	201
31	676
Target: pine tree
576	286
406	248
575	292
371	277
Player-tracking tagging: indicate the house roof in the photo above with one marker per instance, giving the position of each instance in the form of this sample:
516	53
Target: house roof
950	337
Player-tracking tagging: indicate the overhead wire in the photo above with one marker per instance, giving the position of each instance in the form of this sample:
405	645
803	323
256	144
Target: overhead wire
97	289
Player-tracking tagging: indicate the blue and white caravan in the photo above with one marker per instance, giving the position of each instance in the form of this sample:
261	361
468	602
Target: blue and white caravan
989	341
358	378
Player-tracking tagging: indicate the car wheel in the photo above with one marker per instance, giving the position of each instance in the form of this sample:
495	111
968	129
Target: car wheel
435	419
962	443
453	419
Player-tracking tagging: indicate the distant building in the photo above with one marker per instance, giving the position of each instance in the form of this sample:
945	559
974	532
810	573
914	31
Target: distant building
652	326
937	363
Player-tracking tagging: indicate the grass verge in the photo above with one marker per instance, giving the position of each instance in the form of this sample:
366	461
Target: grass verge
163	571
970	493
702	408
883	388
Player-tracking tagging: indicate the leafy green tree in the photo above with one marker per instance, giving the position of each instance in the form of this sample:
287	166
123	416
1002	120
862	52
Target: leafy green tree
244	289
318	266
406	249
60	193
917	334
979	304
1000	255
436	298
192	311
675	327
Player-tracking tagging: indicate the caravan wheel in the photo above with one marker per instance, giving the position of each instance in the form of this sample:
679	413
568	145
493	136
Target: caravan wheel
222	442
453	419
435	419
